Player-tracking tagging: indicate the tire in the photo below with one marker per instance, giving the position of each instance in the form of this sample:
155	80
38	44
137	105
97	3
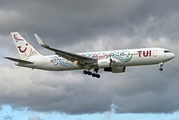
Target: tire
161	69
94	75
85	72
89	73
97	75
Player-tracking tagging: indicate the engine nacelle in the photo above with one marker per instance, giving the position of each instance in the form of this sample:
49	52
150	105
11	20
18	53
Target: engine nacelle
115	69
103	63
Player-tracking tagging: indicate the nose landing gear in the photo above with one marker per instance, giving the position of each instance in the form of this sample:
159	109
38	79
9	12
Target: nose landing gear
161	69
161	66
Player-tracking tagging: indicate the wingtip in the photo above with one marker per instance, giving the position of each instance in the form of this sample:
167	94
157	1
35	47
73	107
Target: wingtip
39	40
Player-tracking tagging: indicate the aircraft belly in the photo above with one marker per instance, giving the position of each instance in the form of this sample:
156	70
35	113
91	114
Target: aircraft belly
61	68
57	68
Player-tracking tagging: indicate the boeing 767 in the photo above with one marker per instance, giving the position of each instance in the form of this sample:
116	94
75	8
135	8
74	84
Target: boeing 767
114	61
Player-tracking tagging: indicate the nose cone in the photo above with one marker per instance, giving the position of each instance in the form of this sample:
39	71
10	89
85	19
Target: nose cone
172	55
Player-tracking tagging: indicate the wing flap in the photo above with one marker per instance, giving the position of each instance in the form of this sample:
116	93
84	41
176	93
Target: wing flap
67	55
19	60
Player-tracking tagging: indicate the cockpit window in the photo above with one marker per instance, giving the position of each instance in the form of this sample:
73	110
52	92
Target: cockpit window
166	51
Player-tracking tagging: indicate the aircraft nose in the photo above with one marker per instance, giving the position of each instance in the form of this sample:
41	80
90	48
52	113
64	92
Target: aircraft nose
172	55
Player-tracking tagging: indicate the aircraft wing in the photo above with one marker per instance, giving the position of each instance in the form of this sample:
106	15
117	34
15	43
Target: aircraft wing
67	55
19	60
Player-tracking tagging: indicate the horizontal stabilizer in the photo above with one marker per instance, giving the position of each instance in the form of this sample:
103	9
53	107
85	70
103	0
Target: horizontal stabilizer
18	60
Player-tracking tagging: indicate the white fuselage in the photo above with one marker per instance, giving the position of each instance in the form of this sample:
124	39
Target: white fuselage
120	58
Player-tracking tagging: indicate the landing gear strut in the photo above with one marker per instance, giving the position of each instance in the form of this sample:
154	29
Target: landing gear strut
93	74
161	66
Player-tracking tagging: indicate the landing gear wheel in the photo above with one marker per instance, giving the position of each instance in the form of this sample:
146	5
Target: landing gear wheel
85	72
93	75
161	69
97	75
89	73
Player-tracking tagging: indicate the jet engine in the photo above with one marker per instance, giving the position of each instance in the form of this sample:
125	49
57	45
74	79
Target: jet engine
105	63
115	69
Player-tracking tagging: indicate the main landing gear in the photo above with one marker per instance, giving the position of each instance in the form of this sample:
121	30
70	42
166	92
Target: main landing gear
161	66
92	74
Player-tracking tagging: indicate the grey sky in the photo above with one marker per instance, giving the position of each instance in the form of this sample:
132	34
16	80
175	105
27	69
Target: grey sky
83	25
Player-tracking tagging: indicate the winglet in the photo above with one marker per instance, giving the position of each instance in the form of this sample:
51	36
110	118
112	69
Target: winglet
39	40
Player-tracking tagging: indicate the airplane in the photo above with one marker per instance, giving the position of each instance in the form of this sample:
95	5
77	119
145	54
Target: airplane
114	61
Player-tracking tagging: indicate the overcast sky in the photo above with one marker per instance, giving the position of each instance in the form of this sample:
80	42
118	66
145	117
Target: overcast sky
90	25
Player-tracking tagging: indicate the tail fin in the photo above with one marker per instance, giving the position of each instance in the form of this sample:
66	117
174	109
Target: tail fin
23	47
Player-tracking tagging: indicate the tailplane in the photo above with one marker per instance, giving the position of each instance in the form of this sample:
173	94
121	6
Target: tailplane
23	47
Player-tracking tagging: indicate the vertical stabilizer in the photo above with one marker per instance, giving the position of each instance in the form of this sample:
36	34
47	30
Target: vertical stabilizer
23	47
